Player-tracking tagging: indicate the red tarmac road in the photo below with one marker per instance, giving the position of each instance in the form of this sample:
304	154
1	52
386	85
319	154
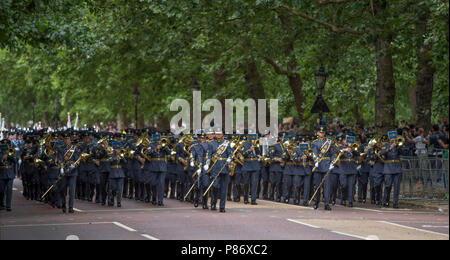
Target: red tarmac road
181	221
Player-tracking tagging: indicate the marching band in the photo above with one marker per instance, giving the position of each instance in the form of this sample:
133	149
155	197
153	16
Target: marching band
59	167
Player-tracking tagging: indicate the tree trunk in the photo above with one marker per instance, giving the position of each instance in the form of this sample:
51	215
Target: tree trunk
385	93
413	103
254	83
424	76
385	86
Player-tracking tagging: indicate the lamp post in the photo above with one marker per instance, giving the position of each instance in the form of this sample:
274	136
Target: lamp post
320	106
136	100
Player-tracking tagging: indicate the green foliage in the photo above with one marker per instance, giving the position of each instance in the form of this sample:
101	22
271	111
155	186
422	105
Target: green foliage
89	54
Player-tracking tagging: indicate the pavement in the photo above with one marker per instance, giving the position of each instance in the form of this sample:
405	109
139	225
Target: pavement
31	220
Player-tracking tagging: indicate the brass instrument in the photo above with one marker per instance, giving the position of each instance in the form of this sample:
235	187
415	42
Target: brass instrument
38	162
355	147
11	151
164	142
289	146
400	140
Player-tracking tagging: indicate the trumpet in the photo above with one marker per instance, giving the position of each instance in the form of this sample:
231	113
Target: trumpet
164	142
11	151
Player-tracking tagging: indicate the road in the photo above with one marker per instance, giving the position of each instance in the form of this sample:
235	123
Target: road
181	221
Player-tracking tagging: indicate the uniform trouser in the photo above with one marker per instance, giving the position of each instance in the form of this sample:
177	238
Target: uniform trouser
290	182
333	185
363	180
204	184
275	179
52	195
171	183
305	183
220	190
265	181
115	190
103	190
378	179
126	183
158	180
6	186
67	182
250	180
348	184
188	181
318	177
389	180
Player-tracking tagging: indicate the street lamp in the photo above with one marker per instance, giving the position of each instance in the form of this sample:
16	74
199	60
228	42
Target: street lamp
320	106
136	99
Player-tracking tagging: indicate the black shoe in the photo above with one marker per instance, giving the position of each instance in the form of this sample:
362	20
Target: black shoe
205	206
254	202
8	209
213	207
229	199
71	210
286	201
172	197
119	205
160	203
222	210
153	202
103	203
395	206
130	197
305	204
245	201
386	204
64	209
333	202
360	201
236	200
373	202
327	207
195	204
378	203
343	203
316	206
364	201
296	202
278	200
265	197
350	205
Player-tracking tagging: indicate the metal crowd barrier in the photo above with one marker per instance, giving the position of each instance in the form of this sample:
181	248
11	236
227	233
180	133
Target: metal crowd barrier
425	176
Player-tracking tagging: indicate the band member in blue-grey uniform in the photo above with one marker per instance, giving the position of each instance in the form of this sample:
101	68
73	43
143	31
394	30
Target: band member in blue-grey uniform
70	155
346	168
171	178
222	157
7	162
102	152
204	178
376	172
291	171
53	164
304	168
158	168
196	166
26	168
116	176
392	171
364	170
276	171
183	149
251	151
323	155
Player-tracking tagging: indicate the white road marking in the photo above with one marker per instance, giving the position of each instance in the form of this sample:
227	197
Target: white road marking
413	228
149	237
123	226
301	223
72	237
143	209
14	189
430	226
372	237
57	224
78	210
350	235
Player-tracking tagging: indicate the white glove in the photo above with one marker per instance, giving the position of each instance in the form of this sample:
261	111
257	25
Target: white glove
228	160
316	165
61	171
199	171
20	162
71	167
206	167
192	164
331	167
358	168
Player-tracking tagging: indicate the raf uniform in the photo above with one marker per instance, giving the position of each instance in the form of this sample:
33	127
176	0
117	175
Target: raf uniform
347	172
6	175
221	159
158	170
323	155
392	172
171	178
363	177
70	155
303	170
251	169
104	161
276	152
204	178
115	178
291	173
376	172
